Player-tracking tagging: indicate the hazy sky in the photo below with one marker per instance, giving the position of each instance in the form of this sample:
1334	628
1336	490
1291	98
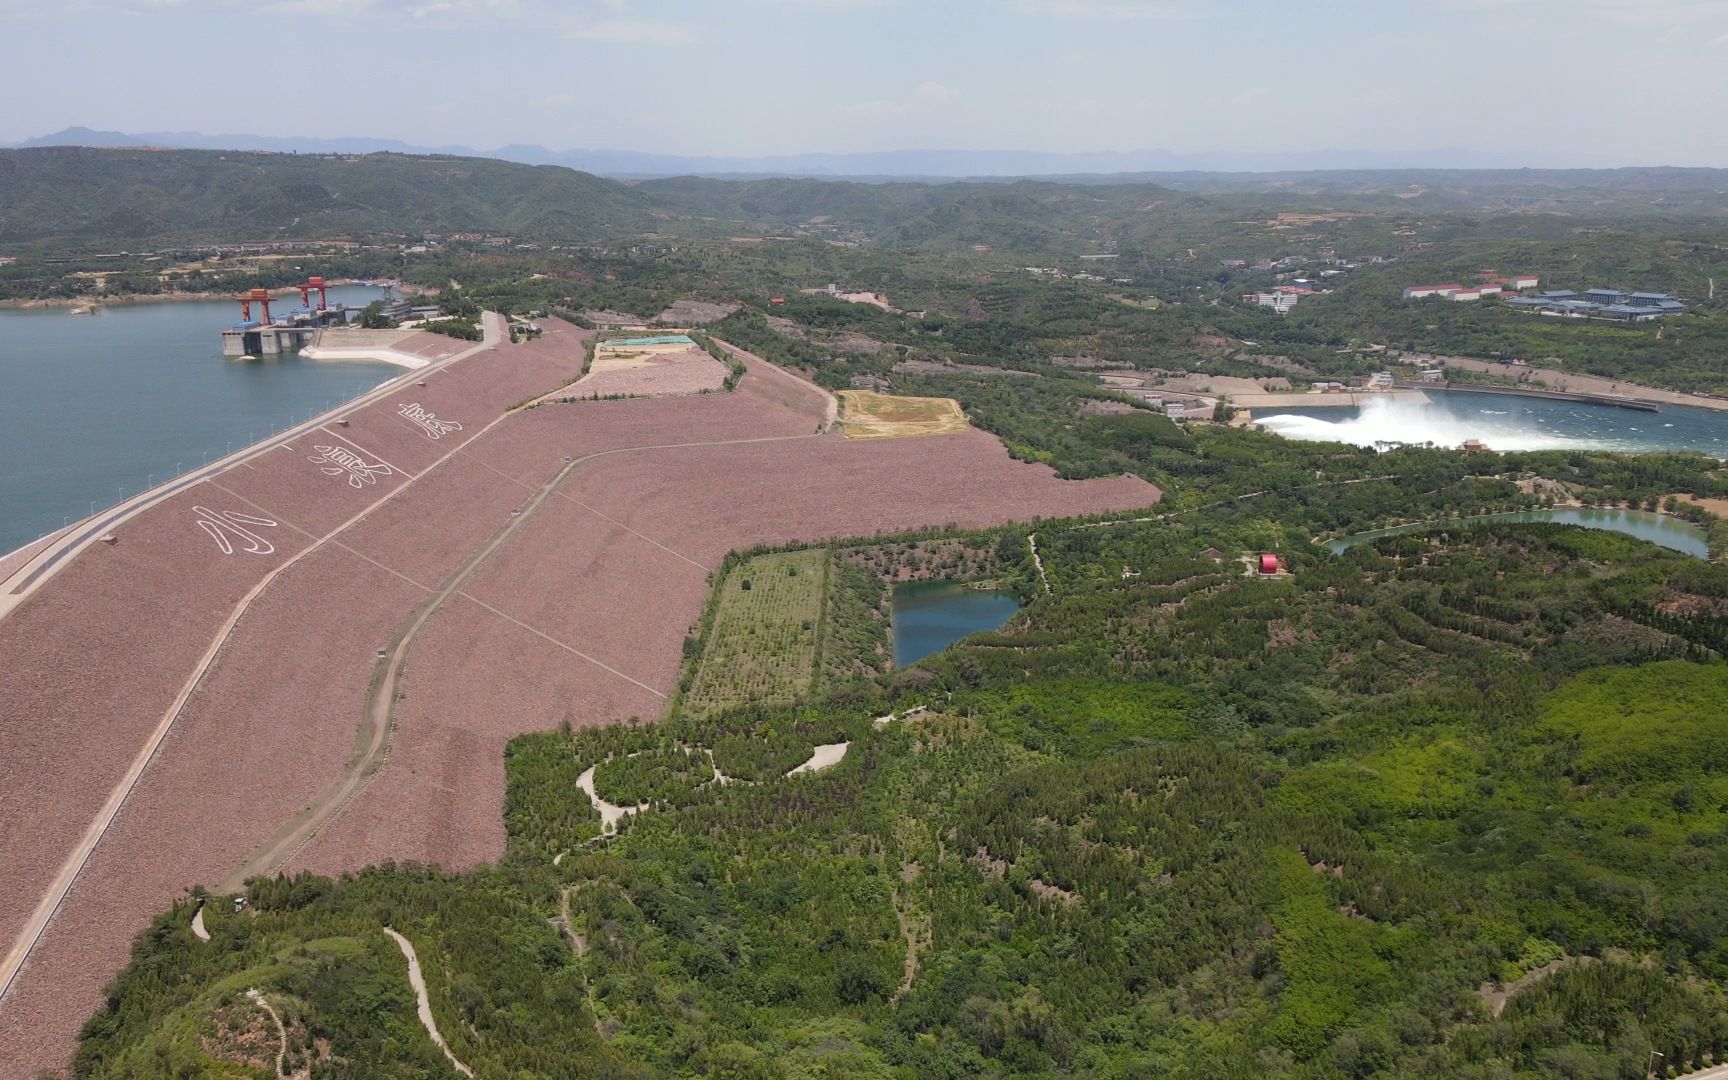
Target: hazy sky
1541	82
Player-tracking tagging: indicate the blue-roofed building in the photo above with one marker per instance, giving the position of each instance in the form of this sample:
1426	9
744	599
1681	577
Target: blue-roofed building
1601	303
1626	313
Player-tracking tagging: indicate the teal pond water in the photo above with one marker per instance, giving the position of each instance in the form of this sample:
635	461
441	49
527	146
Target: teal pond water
930	616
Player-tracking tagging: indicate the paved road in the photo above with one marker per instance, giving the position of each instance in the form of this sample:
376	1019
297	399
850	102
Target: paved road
18	586
61	552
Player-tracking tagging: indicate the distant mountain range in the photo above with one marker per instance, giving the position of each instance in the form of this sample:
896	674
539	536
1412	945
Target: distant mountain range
899	164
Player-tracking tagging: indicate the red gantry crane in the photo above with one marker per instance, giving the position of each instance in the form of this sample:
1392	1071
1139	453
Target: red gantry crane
261	297
315	285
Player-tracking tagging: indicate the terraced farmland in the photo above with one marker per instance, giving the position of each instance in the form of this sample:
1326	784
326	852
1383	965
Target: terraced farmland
761	647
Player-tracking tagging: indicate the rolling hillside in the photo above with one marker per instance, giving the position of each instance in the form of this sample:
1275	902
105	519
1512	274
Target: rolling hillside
114	196
1026	215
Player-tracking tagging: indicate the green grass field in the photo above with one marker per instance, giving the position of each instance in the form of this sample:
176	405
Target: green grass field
763	644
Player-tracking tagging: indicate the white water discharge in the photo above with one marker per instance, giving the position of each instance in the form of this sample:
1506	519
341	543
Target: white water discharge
1382	421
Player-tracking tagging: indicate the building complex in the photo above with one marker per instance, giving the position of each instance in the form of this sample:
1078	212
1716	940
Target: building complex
1611	304
1491	285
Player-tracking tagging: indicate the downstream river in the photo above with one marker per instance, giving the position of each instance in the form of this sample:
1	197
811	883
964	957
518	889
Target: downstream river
1669	532
97	407
1506	422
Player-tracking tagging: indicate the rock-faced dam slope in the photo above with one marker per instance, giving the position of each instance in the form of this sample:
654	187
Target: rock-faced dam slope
312	659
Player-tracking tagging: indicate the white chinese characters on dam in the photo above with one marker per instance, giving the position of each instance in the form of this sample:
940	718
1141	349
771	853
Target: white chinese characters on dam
232	530
416	414
340	461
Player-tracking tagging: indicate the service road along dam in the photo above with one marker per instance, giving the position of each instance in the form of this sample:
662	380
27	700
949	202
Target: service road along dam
311	655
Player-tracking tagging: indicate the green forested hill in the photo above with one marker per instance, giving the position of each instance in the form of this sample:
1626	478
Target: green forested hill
1024	216
111	197
1367	821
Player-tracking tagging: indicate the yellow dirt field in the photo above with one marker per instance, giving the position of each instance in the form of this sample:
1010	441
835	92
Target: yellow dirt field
865	414
1719	507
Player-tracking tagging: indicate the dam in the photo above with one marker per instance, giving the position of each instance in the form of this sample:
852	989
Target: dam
267	336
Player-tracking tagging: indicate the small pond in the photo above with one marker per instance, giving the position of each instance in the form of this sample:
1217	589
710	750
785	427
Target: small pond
930	616
1670	532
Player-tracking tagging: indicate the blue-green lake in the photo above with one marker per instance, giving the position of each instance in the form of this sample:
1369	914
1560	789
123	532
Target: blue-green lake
930	616
97	407
1670	532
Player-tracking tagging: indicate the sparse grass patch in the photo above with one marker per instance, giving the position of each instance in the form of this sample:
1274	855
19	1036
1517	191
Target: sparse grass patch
865	414
762	646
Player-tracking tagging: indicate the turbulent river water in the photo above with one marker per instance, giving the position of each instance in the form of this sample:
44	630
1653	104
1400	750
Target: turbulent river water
1506	422
95	407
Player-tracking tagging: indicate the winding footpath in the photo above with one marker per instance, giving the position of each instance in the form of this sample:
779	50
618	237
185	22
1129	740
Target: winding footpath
281	1032
424	1004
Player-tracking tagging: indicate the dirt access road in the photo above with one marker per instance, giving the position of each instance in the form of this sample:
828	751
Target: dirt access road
379	714
65	545
544	567
41	569
1577	383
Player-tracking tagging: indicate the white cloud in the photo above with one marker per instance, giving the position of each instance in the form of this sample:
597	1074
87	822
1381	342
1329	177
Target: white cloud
634	32
878	108
926	96
1120	10
1644	12
828	5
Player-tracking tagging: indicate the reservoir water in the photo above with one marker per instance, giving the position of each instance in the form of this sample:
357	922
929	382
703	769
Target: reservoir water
930	616
1660	529
96	407
1506	422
